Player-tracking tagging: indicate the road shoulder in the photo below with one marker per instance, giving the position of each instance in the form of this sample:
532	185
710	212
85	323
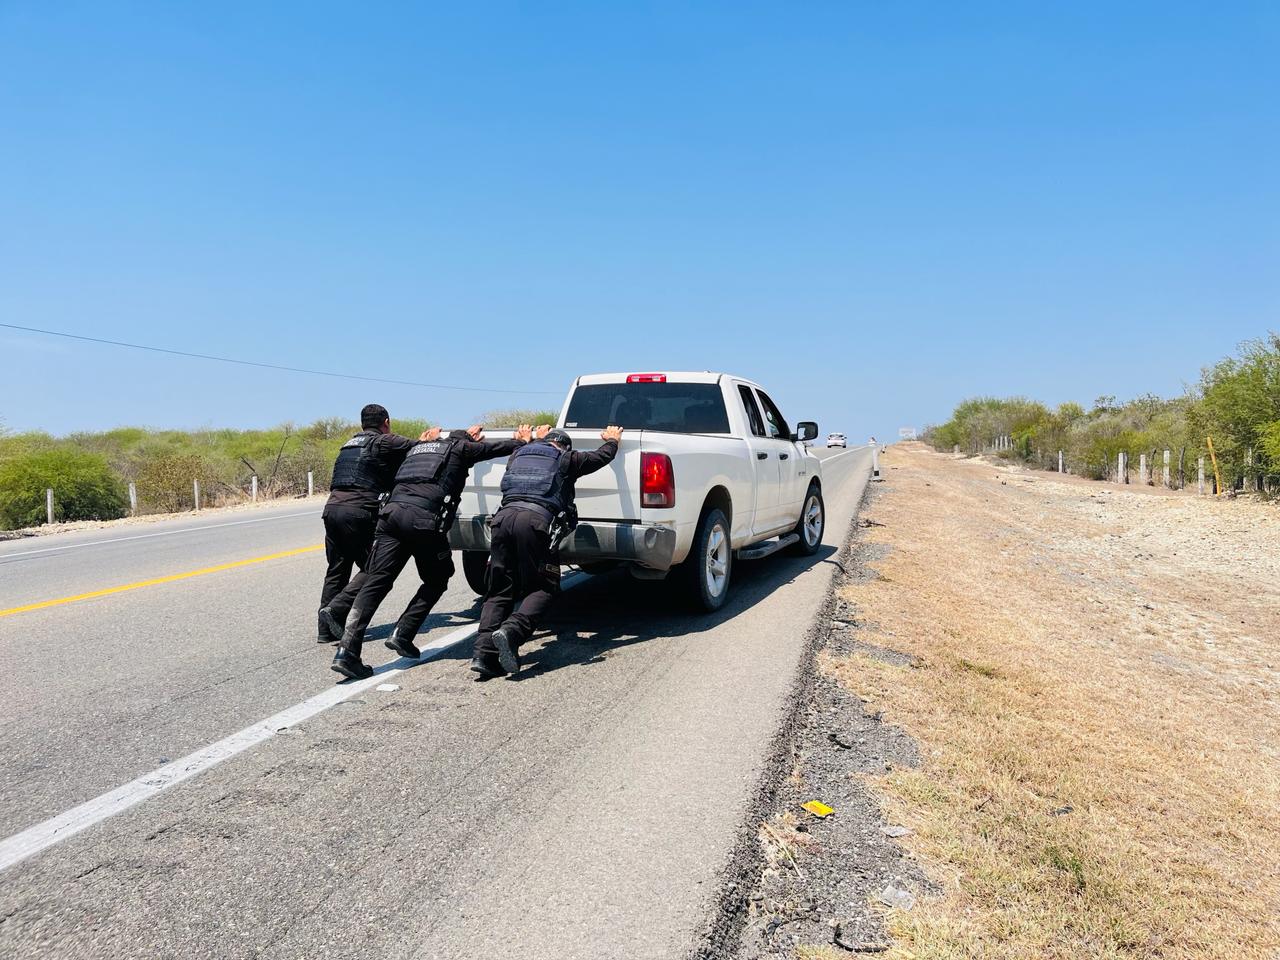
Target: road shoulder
767	903
1089	678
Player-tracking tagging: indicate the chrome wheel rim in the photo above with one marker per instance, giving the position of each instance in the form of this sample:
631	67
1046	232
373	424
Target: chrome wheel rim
813	520
717	571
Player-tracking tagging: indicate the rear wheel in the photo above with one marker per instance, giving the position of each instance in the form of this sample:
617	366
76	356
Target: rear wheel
475	567
707	569
812	523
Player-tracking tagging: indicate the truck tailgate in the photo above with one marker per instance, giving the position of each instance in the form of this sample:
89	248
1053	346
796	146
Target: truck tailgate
609	494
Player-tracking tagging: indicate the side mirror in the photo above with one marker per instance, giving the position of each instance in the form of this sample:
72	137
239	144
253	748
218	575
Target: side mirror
806	430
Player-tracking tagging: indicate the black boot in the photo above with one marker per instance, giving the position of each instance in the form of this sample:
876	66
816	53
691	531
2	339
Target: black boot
485	666
402	645
349	664
507	655
330	626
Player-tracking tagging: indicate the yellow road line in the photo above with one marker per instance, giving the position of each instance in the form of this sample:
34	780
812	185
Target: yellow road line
151	583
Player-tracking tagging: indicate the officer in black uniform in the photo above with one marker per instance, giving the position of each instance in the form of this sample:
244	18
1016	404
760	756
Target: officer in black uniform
362	475
415	523
537	504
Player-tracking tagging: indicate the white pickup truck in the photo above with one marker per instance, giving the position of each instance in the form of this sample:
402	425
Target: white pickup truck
708	469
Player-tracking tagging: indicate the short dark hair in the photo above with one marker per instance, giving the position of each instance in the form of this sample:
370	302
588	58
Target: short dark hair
373	416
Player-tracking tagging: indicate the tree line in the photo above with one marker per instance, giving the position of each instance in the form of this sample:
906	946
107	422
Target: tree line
1235	405
90	472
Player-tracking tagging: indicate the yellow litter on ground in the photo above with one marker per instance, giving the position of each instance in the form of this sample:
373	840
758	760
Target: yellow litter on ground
818	808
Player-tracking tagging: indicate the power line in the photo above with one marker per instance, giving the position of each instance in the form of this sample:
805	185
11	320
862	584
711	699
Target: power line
273	366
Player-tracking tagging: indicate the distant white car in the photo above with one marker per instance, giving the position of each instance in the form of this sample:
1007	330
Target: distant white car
837	440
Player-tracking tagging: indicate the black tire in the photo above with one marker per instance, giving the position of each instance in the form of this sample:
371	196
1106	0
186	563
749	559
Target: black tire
808	544
695	571
475	567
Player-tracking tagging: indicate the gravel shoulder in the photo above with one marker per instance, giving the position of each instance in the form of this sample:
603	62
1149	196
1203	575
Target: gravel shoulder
799	882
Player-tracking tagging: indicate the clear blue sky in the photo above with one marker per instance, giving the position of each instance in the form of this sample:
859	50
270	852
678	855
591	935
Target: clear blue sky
874	208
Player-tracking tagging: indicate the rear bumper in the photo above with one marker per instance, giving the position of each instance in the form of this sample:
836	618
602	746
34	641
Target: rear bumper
645	544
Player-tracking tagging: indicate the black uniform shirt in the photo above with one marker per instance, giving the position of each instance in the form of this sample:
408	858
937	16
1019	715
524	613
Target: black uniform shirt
583	462
388	451
466	454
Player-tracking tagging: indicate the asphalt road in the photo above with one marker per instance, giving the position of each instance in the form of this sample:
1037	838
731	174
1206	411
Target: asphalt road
584	810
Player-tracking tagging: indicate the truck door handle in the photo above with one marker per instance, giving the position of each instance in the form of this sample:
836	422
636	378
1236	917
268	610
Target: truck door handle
762	456
783	456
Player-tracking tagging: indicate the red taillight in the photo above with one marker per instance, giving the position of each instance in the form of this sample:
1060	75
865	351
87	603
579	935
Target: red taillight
657	481
646	378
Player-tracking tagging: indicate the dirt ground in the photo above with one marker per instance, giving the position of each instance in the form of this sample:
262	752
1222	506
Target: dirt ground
1048	717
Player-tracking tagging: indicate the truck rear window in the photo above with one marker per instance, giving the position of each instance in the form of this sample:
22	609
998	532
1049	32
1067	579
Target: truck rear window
669	407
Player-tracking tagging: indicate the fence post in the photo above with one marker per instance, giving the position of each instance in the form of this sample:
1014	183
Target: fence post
875	462
133	497
1122	468
1060	461
1166	468
1217	473
1142	468
955	451
253	488
1200	477
311	484
48	503
195	489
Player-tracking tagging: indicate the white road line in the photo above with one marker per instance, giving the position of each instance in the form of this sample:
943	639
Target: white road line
162	533
31	841
826	460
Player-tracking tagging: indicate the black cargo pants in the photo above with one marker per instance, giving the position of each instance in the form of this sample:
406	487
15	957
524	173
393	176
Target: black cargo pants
404	531
348	536
522	578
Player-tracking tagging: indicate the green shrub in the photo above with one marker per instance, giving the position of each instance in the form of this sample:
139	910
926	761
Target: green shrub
165	482
495	419
84	488
1269	435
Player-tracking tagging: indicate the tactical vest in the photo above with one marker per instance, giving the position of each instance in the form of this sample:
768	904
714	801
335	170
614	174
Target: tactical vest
536	473
425	462
358	469
425	468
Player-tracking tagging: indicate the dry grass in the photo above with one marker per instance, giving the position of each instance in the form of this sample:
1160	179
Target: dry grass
1095	696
